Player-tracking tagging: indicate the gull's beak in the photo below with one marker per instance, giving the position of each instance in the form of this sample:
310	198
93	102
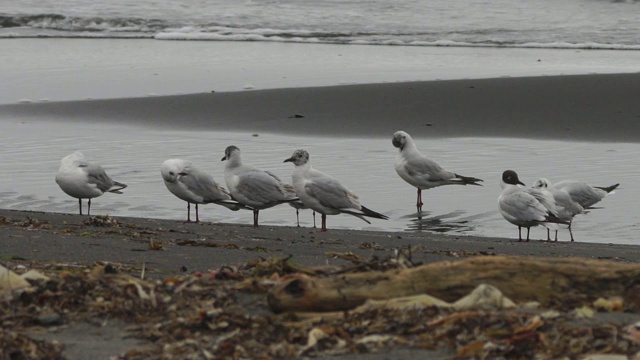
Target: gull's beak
224	158
521	183
289	160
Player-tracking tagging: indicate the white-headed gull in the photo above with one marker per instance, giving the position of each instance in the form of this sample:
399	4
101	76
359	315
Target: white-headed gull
188	183
298	205
81	179
566	207
585	194
252	187
525	207
323	193
423	173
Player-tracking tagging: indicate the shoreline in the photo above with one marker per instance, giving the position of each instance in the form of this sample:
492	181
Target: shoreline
566	107
73	239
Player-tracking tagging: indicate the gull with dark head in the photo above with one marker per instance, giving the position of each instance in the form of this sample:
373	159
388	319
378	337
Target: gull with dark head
81	179
188	183
421	172
325	194
252	187
525	207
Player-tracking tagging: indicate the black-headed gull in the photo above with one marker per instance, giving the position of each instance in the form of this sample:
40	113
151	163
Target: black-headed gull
525	207
188	183
81	179
566	207
325	194
423	173
252	187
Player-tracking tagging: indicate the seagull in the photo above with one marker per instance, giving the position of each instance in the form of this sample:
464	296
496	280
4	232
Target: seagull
566	207
585	194
423	173
298	205
254	188
525	207
81	179
194	186
325	194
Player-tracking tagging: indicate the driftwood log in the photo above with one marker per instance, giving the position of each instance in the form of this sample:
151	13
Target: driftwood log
553	282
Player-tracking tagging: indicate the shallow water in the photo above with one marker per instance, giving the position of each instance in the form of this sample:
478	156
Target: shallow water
31	152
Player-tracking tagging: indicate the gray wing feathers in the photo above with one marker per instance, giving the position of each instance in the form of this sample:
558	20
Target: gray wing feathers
98	176
330	193
526	205
429	170
203	185
261	187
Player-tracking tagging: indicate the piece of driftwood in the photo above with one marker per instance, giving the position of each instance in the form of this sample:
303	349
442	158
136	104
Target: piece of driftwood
553	282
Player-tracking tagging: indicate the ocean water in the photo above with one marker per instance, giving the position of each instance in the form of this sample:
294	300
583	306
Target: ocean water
31	152
583	24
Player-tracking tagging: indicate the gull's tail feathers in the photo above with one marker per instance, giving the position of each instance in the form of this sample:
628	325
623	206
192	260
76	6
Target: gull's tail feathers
550	218
469	180
231	205
116	190
608	189
364	212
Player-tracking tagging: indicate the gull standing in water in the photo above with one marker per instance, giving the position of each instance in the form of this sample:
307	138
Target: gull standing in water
566	207
325	194
252	187
423	173
194	186
81	179
525	207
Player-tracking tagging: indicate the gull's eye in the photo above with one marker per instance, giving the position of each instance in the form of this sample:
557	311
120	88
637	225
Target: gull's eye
171	173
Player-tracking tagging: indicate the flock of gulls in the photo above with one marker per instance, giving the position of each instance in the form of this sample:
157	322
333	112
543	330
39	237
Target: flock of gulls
250	188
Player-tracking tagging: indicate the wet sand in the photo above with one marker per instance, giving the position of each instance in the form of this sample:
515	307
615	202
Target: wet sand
574	107
207	246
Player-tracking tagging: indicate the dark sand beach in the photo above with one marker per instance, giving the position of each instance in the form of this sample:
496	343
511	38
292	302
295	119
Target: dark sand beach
577	107
572	107
233	244
59	242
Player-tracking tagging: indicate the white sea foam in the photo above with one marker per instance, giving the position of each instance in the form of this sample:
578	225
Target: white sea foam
566	24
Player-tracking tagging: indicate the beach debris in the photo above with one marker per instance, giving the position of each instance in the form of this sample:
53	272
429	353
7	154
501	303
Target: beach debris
11	284
16	345
612	304
101	221
296	116
485	297
248	87
632	332
576	279
223	314
156	245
